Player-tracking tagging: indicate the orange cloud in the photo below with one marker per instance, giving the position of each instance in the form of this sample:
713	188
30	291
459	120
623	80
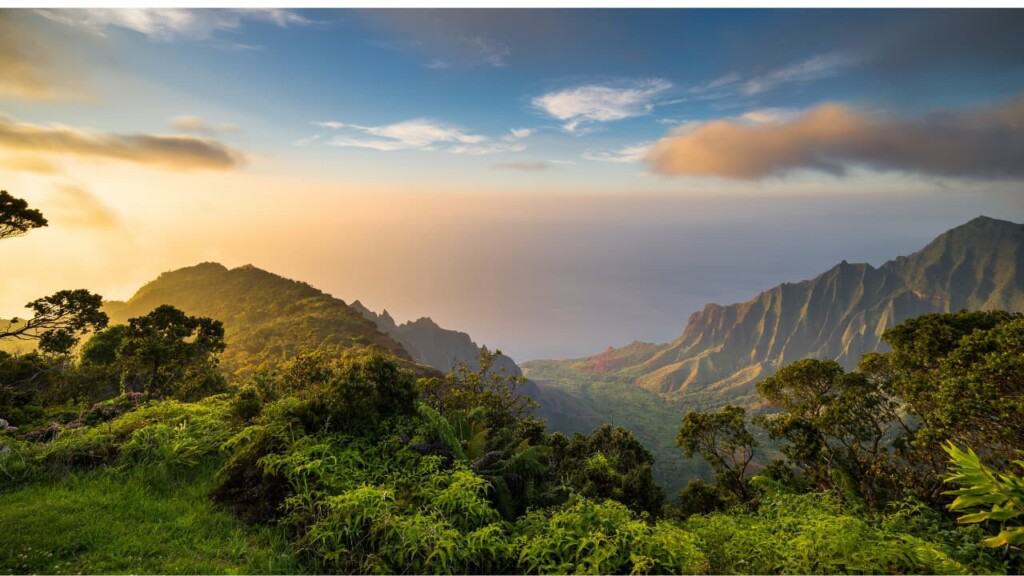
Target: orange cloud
175	151
979	143
79	207
30	164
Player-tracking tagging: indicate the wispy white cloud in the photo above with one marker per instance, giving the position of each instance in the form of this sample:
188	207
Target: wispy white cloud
716	84
601	103
415	134
625	155
814	68
419	134
518	133
487	51
439	64
307	140
490	147
768	115
737	86
165	24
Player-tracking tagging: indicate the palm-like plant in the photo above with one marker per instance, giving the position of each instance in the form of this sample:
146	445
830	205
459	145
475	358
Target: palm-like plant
987	496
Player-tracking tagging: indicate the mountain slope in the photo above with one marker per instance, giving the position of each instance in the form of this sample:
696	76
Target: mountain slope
266	317
433	345
840	314
444	349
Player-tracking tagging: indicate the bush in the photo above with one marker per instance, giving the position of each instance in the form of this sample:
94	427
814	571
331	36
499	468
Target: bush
604	538
168	433
699	497
812	534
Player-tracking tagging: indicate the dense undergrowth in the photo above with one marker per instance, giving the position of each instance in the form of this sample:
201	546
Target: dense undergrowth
352	471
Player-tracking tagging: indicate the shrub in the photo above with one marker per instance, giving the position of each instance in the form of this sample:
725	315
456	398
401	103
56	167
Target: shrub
603	538
812	534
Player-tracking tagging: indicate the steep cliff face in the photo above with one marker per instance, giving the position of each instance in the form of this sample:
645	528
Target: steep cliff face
433	345
840	314
443	349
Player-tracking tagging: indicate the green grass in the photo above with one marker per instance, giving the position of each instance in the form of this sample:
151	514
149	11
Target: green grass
139	520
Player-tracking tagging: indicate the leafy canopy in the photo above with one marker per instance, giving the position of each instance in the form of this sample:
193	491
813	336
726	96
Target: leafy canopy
16	218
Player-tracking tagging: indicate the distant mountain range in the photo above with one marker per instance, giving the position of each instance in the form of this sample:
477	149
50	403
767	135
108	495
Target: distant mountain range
840	314
430	344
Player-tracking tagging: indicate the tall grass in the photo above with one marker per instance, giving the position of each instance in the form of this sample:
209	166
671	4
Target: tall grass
141	519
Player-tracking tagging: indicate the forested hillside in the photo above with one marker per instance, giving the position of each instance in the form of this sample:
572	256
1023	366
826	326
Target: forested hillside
266	317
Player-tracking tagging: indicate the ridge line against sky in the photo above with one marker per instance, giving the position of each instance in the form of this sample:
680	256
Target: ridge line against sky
253	129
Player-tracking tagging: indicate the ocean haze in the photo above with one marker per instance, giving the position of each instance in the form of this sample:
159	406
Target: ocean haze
536	274
565	277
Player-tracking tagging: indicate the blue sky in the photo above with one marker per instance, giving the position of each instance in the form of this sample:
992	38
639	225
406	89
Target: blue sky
504	171
482	74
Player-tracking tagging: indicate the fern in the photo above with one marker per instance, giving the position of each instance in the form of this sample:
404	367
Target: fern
987	496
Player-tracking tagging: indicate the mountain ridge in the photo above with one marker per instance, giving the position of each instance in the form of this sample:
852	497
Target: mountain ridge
265	316
839	314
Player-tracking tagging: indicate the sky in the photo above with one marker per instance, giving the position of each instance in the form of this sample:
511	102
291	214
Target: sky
552	182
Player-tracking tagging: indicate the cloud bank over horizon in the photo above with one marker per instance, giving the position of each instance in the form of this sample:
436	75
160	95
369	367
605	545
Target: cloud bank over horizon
984	142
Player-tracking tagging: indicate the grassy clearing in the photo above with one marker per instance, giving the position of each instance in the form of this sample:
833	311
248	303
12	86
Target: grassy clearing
140	520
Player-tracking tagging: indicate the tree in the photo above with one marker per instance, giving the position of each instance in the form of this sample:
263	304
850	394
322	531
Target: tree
16	218
167	352
59	320
835	424
465	389
723	440
958	377
609	463
101	349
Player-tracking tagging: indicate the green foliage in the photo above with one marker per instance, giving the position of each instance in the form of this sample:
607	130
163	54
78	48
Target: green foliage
366	387
596	398
699	497
723	440
958	377
813	534
59	320
102	348
340	455
834	426
168	353
485	389
136	520
609	463
21	379
587	537
267	319
987	496
454	530
169	433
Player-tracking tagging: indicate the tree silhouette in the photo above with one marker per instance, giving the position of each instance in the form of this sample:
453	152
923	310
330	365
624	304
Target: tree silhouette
59	320
16	218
